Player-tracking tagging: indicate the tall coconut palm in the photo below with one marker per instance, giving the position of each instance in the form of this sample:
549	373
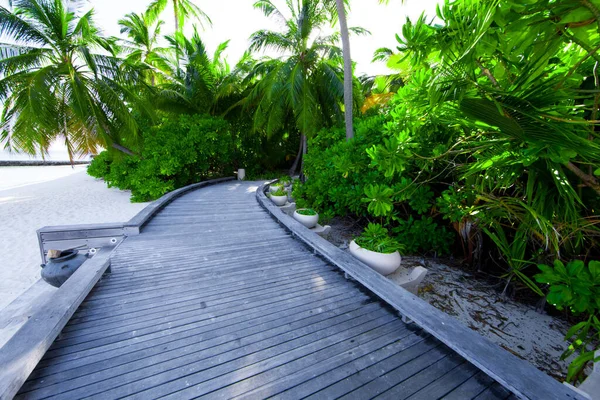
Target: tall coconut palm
306	81
348	95
196	85
141	46
54	84
182	10
340	6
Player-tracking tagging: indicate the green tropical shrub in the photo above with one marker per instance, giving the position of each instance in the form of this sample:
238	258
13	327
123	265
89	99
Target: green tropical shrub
492	136
337	171
423	236
576	287
342	179
181	150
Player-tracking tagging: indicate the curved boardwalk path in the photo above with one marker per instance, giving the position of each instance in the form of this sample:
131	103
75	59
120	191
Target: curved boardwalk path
214	299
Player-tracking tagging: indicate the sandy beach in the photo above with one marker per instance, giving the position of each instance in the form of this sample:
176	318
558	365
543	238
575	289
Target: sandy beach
33	197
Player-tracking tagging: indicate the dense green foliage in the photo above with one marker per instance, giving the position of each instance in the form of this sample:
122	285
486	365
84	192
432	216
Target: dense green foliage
180	150
285	180
576	287
305	85
60	80
342	181
489	132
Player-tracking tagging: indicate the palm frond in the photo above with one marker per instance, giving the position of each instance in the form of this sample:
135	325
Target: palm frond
20	30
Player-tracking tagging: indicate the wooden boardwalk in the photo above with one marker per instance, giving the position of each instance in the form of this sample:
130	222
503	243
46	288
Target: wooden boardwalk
214	299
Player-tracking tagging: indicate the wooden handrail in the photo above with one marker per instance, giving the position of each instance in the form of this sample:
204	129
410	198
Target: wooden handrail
20	355
102	235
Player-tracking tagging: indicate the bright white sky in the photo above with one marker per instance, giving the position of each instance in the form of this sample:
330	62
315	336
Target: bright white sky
237	20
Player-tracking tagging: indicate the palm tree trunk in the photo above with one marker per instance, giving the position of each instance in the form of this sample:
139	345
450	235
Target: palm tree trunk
177	27
299	156
176	14
588	180
348	98
304	150
122	149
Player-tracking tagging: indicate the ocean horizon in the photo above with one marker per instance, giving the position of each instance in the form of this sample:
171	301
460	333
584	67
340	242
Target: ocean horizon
56	152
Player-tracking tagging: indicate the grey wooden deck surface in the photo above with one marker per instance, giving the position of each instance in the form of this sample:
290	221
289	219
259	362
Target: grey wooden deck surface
214	299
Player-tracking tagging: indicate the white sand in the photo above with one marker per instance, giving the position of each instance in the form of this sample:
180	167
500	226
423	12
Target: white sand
518	328
33	197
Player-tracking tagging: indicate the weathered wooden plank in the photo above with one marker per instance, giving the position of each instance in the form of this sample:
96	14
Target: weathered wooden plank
135	224
419	380
318	375
471	388
69	236
168	300
81	243
245	319
206	368
172	328
208	262
224	270
224	274
173	256
127	367
446	383
357	345
162	322
81	234
192	310
194	253
21	353
515	374
197	379
150	298
337	383
194	283
260	325
387	373
81	227
495	391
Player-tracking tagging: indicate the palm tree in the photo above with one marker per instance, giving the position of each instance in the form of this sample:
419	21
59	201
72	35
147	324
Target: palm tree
348	95
307	82
141	47
196	80
54	84
340	6
182	10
